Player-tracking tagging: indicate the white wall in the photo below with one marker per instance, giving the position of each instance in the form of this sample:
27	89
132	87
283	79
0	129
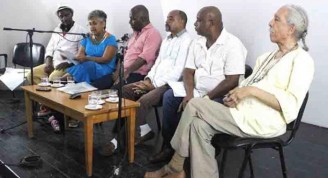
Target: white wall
41	15
247	19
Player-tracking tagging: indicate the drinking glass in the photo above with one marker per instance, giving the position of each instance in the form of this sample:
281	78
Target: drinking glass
70	80
112	95
93	99
56	81
44	80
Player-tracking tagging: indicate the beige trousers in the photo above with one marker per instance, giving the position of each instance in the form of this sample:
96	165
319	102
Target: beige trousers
200	121
38	72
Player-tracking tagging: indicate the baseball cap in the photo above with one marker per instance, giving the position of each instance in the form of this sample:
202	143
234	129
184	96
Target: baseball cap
64	7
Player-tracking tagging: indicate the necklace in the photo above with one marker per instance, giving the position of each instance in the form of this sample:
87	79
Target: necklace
266	66
97	42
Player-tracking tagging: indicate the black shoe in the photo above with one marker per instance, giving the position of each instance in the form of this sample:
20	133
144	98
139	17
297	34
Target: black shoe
107	150
164	156
144	138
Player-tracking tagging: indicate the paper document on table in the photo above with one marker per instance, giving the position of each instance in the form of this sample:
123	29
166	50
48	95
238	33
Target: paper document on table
178	89
69	56
77	88
13	77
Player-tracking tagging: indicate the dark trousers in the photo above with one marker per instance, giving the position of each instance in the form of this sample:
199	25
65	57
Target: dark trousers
104	82
171	116
147	100
107	82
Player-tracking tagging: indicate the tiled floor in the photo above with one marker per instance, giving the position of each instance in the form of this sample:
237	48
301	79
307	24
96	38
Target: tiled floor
63	154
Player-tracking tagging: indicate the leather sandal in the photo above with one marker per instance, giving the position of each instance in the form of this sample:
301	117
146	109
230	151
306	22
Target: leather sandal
164	171
107	150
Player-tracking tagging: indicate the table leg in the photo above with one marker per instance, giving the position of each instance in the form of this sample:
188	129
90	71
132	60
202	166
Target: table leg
29	114
131	133
88	144
66	118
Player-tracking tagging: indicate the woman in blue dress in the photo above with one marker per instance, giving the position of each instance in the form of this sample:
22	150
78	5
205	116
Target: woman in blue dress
97	54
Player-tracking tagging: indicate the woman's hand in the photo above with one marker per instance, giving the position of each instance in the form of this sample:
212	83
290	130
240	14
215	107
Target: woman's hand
80	58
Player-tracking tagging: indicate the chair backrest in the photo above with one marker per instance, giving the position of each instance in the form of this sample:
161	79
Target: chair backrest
3	67
248	71
21	54
293	126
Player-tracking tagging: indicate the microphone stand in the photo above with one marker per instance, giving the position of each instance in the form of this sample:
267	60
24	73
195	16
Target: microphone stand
120	57
30	33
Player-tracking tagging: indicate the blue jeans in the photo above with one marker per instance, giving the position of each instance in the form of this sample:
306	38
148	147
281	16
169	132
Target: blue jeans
171	116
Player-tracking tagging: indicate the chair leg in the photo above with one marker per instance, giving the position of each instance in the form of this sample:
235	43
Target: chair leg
222	163
157	119
251	166
246	158
282	161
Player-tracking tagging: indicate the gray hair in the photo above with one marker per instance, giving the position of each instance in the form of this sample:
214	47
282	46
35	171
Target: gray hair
98	13
298	17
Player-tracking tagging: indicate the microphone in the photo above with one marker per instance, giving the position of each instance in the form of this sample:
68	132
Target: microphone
5	28
124	38
85	35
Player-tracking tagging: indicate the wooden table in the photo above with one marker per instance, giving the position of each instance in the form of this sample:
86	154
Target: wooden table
60	101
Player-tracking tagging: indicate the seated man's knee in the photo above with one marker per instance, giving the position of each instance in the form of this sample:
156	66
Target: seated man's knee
168	95
145	101
202	128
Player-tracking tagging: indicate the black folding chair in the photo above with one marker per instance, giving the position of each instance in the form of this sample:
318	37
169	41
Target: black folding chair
227	142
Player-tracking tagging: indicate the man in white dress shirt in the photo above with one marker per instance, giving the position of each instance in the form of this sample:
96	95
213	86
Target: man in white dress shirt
55	63
215	61
168	67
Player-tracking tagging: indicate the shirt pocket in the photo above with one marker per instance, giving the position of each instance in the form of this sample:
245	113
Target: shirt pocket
217	63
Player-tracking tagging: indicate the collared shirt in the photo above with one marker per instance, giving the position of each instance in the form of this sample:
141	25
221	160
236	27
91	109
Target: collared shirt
69	43
144	44
226	56
288	80
171	59
178	34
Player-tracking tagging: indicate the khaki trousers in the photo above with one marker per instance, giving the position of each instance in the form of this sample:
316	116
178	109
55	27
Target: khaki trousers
38	72
200	121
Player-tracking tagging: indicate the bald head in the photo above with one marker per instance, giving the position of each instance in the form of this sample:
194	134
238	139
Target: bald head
213	14
139	17
141	11
209	21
